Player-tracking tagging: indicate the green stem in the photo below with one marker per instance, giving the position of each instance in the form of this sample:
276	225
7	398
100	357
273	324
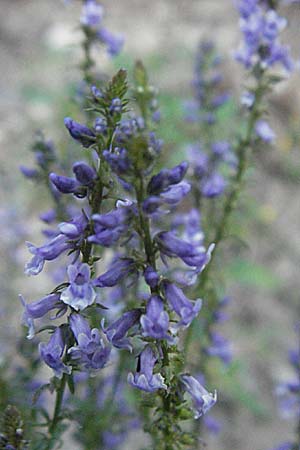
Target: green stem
57	410
167	420
88	62
231	200
145	224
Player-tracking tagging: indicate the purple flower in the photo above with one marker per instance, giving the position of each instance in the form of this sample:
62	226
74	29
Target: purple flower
80	133
220	99
294	358
114	42
220	347
92	14
48	216
247	99
273	25
154	143
167	177
201	398
119	270
91	353
84	173
219	315
178	302
110	227
191	221
247	7
155	322
113	440
85	176
221	149
214	185
76	228
144	378
264	131
80	294
116	332
151	277
152	205
198	159
28	172
38	309
212	425
172	246
100	122
118	160
288	395
52	353
128	128
156	116
174	194
285	446
66	185
171	196
46	252
261	27
115	106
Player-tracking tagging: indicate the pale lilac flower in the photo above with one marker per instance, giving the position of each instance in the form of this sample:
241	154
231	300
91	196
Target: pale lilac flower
155	322
220	348
264	131
80	294
178	302
47	252
91	353
117	331
52	353
92	14
193	255
119	270
38	309
144	378
214	185
202	399
247	99
114	42
110	227
29	172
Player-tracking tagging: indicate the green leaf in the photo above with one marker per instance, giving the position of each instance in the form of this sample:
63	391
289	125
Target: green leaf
118	86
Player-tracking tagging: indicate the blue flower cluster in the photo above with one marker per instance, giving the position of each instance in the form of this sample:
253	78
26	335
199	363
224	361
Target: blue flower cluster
262	50
209	159
91	21
261	27
209	94
121	200
133	249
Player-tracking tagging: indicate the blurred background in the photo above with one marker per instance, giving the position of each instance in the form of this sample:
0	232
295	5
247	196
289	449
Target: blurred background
40	54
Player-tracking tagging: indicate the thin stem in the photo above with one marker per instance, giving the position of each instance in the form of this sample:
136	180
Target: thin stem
231	200
57	411
167	422
144	223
